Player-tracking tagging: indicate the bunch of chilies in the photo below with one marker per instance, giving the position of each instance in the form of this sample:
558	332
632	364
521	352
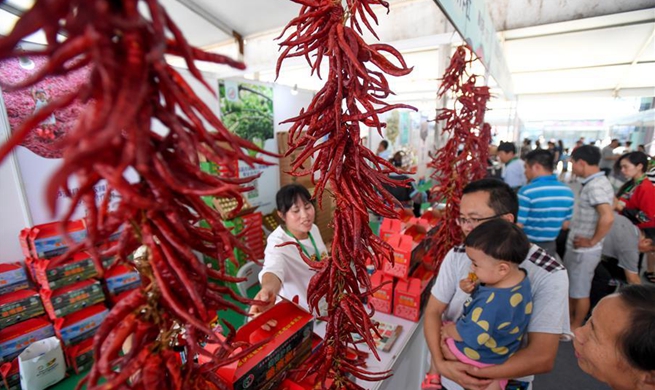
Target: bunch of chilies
464	157
329	130
130	84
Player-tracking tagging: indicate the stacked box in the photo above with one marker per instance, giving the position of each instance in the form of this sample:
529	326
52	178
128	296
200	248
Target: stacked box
390	227
76	269
382	299
69	299
287	160
121	278
411	295
79	357
14	339
12	278
10	376
19	306
81	325
402	252
324	215
46	241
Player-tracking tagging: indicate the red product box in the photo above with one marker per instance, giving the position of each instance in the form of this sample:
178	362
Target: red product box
10	376
121	278
417	231
382	299
402	254
14	339
68	300
390	227
23	237
411	295
431	217
264	368
46	241
77	268
12	278
79	357
19	306
80	325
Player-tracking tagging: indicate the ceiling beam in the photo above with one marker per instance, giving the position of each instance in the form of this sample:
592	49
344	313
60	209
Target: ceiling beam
11	9
214	20
627	72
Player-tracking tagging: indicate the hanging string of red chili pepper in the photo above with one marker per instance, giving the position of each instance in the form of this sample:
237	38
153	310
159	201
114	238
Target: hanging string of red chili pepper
131	84
353	95
464	157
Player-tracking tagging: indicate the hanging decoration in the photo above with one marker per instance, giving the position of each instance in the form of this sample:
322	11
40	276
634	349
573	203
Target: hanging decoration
329	131
464	157
129	87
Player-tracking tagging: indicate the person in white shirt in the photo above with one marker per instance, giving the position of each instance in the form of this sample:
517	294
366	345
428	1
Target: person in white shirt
514	172
285	273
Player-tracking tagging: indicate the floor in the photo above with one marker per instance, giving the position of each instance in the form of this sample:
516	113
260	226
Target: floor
567	375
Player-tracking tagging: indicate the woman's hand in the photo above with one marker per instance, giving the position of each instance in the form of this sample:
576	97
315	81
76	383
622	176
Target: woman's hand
265	295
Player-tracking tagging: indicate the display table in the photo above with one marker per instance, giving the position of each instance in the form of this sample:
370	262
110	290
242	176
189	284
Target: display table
407	358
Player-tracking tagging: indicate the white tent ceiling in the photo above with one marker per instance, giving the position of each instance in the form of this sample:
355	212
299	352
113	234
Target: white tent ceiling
574	47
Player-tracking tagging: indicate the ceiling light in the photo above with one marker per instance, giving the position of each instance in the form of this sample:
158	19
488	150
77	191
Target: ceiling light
26	63
294	91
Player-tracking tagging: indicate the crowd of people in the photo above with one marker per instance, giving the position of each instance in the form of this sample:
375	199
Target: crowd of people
522	281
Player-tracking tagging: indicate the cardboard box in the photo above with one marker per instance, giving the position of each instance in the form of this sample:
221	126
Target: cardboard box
10	375
14	339
68	300
19	306
121	278
411	295
76	269
431	217
382	299
12	278
46	241
80	325
389	227
417	230
402	254
79	357
265	367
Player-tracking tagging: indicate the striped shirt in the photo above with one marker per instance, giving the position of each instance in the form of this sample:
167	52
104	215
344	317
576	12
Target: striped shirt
544	205
596	190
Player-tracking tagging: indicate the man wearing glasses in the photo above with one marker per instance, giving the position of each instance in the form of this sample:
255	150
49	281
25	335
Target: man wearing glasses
484	200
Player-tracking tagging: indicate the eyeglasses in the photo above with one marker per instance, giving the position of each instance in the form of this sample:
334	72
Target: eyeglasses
461	221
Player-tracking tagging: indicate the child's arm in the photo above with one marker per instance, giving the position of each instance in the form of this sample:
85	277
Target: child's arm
450	331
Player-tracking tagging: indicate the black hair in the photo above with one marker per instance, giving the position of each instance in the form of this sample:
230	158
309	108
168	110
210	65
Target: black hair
499	239
635	159
384	143
587	153
545	158
508	147
288	195
502	199
397	159
637	341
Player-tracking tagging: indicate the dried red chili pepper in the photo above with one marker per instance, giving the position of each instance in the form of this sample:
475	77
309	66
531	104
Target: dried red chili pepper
129	84
464	157
352	96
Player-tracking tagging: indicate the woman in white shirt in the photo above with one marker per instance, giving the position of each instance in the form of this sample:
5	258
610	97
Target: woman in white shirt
285	273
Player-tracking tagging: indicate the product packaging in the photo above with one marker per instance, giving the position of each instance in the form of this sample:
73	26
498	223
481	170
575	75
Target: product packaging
76	269
382	299
19	306
289	343
411	295
69	299
121	278
42	364
390	227
79	357
80	325
14	339
402	254
12	278
46	241
10	375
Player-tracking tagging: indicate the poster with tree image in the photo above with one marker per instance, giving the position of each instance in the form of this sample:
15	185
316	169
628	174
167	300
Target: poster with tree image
247	110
